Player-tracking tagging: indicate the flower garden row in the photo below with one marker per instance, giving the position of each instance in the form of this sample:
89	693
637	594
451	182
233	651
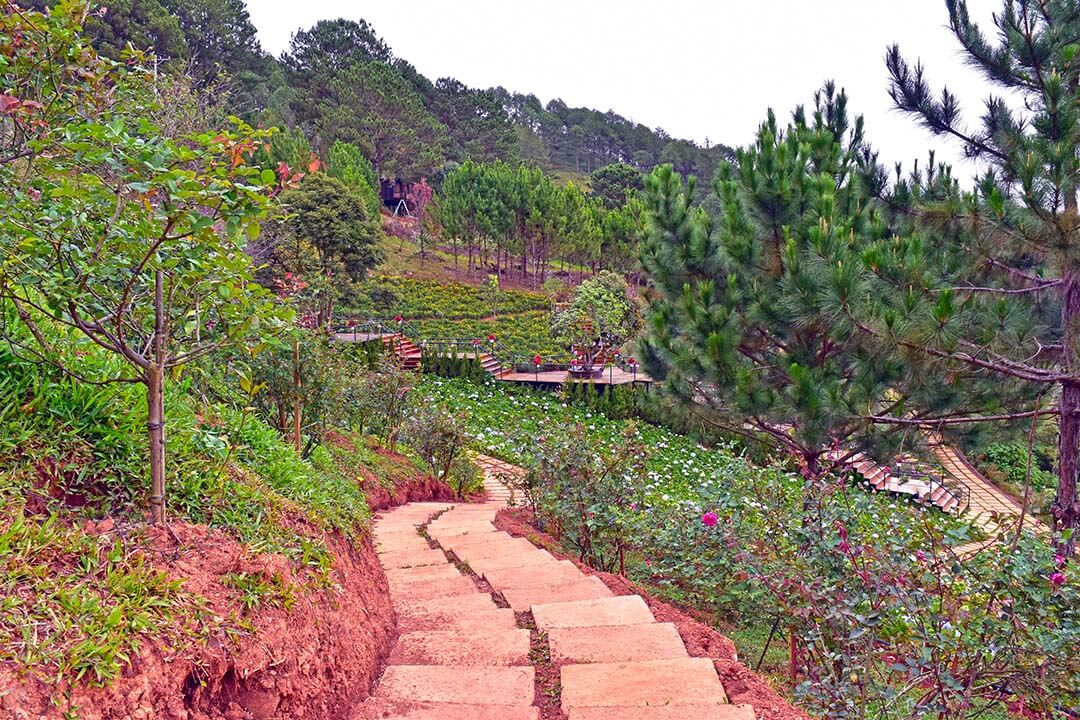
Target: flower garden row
426	299
526	334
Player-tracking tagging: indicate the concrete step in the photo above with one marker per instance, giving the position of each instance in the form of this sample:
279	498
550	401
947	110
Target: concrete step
463	648
427	589
523	598
462	612
686	681
412	558
461	527
468	539
502	686
399	543
380	709
481	621
557	573
515	559
621	610
615	643
487	545
403	577
669	712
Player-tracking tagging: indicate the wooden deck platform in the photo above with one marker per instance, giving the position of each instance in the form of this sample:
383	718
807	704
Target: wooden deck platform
611	376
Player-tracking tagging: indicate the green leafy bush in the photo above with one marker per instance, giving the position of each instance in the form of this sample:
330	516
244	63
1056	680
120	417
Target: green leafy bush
439	439
582	491
1012	460
617	402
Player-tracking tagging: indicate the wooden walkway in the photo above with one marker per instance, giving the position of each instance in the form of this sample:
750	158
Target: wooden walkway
610	376
408	351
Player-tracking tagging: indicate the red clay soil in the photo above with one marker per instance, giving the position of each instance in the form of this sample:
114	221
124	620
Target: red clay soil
742	685
311	662
418	489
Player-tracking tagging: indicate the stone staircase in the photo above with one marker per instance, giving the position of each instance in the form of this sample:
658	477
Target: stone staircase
463	654
458	655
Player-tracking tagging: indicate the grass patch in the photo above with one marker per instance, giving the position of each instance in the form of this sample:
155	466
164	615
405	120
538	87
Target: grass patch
77	606
258	590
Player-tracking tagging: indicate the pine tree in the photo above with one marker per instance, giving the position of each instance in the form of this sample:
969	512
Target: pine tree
735	330
988	284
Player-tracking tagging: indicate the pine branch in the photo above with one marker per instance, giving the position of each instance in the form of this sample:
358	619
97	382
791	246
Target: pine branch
911	94
1007	291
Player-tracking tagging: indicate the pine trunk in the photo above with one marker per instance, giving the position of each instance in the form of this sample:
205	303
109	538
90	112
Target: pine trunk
1066	508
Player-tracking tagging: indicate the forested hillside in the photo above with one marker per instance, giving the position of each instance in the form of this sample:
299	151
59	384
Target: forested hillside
340	81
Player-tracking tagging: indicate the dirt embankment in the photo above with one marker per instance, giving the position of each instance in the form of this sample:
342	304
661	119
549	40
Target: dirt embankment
741	685
313	661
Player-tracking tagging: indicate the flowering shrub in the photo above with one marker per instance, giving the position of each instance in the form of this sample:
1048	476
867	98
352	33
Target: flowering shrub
895	624
581	491
439	439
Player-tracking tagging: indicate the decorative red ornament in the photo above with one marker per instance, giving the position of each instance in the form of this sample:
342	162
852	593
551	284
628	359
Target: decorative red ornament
475	342
491	338
537	359
398	319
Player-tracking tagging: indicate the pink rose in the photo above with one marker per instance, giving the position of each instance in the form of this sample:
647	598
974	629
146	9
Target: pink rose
709	519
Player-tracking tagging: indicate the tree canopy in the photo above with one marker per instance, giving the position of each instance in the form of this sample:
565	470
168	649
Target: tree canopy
735	330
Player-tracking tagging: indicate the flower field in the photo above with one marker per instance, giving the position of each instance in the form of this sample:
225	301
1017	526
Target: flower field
426	299
504	421
524	334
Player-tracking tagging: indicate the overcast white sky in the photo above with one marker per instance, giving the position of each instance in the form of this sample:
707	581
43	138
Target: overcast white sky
697	69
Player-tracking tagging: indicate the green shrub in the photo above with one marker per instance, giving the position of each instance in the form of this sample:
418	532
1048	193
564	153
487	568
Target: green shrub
617	402
1012	460
454	366
439	439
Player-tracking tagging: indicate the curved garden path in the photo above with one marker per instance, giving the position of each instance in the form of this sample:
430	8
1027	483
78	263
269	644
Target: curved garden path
477	606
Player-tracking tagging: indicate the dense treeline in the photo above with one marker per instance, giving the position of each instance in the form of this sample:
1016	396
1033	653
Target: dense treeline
339	81
508	218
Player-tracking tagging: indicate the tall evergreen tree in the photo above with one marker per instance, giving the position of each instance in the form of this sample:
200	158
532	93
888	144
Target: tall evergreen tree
988	285
734	329
612	183
479	127
371	106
